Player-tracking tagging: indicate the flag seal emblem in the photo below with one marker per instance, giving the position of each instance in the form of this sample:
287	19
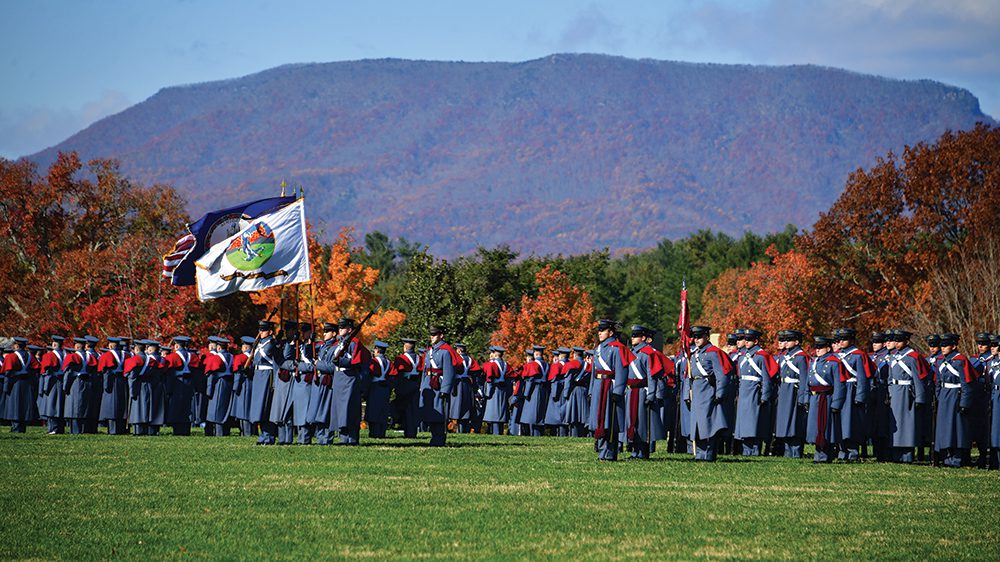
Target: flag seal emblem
252	248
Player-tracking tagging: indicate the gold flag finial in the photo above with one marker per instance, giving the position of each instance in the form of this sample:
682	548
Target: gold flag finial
283	186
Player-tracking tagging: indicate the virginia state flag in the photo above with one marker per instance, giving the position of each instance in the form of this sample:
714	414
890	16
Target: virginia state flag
178	265
272	250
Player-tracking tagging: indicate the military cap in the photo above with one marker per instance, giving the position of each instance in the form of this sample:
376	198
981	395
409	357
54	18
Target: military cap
113	339
731	339
381	344
33	347
345	322
995	340
80	340
751	334
933	340
638	330
555	352
54	337
248	340
789	335
589	353
165	347
435	330
562	350
983	338
538	347
329	327
460	345
949	339
217	339
183	340
305	327
91	339
878	337
700	331
529	352
497	349
20	340
669	339
898	335
606	324
740	333
578	349
408	340
822	341
844	334
265	325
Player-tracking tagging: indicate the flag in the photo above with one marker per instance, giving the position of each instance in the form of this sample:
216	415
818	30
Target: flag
272	250
178	265
181	249
684	322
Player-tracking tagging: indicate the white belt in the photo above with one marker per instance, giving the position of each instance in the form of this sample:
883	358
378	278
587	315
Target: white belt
790	380
264	367
750	378
901	383
951	385
852	379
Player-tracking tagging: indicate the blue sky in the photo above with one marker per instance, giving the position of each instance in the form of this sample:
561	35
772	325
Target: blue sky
68	63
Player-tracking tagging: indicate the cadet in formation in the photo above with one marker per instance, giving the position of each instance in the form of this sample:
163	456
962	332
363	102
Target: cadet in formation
757	369
607	403
860	370
436	385
497	391
407	369
825	400
115	398
955	389
379	392
707	389
793	389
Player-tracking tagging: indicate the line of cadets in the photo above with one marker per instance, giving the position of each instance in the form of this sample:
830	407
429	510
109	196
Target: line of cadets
740	399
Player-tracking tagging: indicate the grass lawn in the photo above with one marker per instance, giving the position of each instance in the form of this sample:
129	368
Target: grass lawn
99	496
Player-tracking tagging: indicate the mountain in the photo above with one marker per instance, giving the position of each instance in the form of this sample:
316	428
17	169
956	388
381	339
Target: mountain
567	153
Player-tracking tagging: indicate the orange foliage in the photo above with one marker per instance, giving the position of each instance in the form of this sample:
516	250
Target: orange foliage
561	315
340	287
783	293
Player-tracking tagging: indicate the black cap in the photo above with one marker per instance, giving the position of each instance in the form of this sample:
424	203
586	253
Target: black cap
305	327
345	322
983	338
183	340
32	347
529	352
408	340
789	335
460	345
995	339
59	339
949	339
20	340
751	334
607	324
844	334
497	349
538	348
265	325
91	339
290	326
933	340
822	341
638	330
700	331
740	333
878	337
381	344
218	339
247	340
329	327
898	335
436	330
578	349
731	339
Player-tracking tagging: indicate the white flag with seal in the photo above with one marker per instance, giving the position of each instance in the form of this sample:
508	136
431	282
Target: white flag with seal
271	250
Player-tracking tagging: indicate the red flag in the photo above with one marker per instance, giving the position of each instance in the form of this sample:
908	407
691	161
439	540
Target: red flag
684	323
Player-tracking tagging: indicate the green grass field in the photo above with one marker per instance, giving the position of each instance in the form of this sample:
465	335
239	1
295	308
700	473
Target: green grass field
98	497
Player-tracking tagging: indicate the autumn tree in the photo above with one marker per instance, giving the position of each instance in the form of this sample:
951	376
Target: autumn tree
341	286
777	293
560	315
904	221
85	253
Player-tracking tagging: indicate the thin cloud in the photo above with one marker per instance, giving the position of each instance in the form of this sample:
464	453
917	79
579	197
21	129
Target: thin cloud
31	129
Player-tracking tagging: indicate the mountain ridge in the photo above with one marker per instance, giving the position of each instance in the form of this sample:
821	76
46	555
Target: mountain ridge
458	154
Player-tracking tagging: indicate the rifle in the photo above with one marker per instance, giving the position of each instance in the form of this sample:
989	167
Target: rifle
357	330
